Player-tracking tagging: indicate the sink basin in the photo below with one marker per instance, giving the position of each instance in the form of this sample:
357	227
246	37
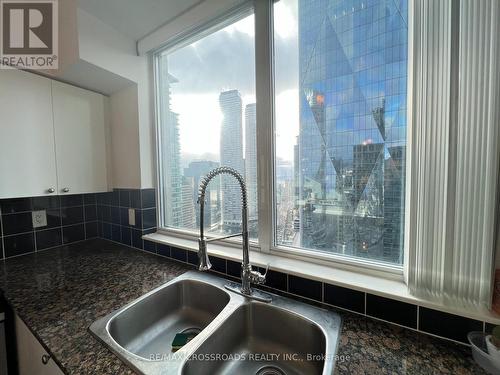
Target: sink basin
257	338
148	327
237	335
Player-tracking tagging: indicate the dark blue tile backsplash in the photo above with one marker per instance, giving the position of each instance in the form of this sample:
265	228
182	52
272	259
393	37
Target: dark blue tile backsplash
447	325
10	206
390	310
305	287
19	244
345	298
113	215
46	239
70	218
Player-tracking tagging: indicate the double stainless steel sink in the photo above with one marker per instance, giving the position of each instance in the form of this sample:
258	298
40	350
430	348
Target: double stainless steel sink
237	335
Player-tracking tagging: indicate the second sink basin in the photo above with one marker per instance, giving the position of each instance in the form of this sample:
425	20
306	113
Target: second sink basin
261	339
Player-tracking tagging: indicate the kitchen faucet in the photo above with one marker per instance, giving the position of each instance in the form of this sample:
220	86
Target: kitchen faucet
248	275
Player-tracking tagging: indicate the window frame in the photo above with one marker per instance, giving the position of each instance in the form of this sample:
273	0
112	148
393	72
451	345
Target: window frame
265	128
180	41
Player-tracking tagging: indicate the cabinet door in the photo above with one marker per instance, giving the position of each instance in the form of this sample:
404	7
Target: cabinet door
27	160
80	139
31	356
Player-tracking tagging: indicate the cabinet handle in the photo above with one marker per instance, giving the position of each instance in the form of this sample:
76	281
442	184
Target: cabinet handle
51	190
65	190
45	359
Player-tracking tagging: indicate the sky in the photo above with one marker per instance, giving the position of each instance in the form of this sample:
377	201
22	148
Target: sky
226	60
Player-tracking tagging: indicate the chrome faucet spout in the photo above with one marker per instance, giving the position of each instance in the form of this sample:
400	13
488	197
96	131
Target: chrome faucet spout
248	275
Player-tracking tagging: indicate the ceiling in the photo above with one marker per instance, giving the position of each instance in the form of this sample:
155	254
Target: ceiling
136	18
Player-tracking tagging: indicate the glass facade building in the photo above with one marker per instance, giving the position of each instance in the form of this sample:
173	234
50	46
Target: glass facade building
350	159
231	155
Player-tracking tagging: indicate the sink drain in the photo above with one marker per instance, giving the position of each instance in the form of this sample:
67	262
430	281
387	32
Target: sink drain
270	370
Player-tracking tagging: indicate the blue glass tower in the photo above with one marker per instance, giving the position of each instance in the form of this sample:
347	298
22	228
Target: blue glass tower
352	140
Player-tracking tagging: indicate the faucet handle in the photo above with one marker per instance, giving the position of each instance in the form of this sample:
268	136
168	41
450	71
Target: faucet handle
265	272
259	278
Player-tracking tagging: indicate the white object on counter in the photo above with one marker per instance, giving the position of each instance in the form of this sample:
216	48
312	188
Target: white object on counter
480	353
493	351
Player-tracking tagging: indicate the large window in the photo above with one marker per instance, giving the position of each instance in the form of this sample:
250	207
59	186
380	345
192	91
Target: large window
206	105
341	73
339	167
340	70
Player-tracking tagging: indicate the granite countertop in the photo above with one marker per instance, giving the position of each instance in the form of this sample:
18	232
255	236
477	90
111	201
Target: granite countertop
59	292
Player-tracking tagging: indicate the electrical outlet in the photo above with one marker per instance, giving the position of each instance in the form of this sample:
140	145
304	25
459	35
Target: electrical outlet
39	218
131	216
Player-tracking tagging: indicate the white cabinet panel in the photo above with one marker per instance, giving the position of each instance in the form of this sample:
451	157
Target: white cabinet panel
79	125
27	160
31	355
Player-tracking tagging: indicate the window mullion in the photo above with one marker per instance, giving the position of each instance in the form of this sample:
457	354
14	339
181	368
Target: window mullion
265	120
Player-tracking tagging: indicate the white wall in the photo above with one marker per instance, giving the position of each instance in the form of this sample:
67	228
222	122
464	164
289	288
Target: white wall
147	125
125	149
131	109
105	47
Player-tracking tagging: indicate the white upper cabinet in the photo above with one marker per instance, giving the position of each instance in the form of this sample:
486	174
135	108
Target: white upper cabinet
52	137
27	159
80	139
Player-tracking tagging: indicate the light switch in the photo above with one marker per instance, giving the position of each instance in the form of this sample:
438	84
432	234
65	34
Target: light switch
131	216
39	218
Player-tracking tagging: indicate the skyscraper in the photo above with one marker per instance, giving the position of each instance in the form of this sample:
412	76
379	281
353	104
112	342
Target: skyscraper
251	159
351	147
231	155
171	165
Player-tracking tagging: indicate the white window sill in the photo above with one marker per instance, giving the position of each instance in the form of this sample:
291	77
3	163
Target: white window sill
384	287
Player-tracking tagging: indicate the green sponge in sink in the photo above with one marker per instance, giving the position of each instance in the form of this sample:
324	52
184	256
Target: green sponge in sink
183	338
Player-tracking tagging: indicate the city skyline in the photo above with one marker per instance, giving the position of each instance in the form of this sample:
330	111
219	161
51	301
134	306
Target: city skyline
205	70
221	214
342	129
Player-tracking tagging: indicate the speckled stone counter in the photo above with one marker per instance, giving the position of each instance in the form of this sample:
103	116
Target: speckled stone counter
60	292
